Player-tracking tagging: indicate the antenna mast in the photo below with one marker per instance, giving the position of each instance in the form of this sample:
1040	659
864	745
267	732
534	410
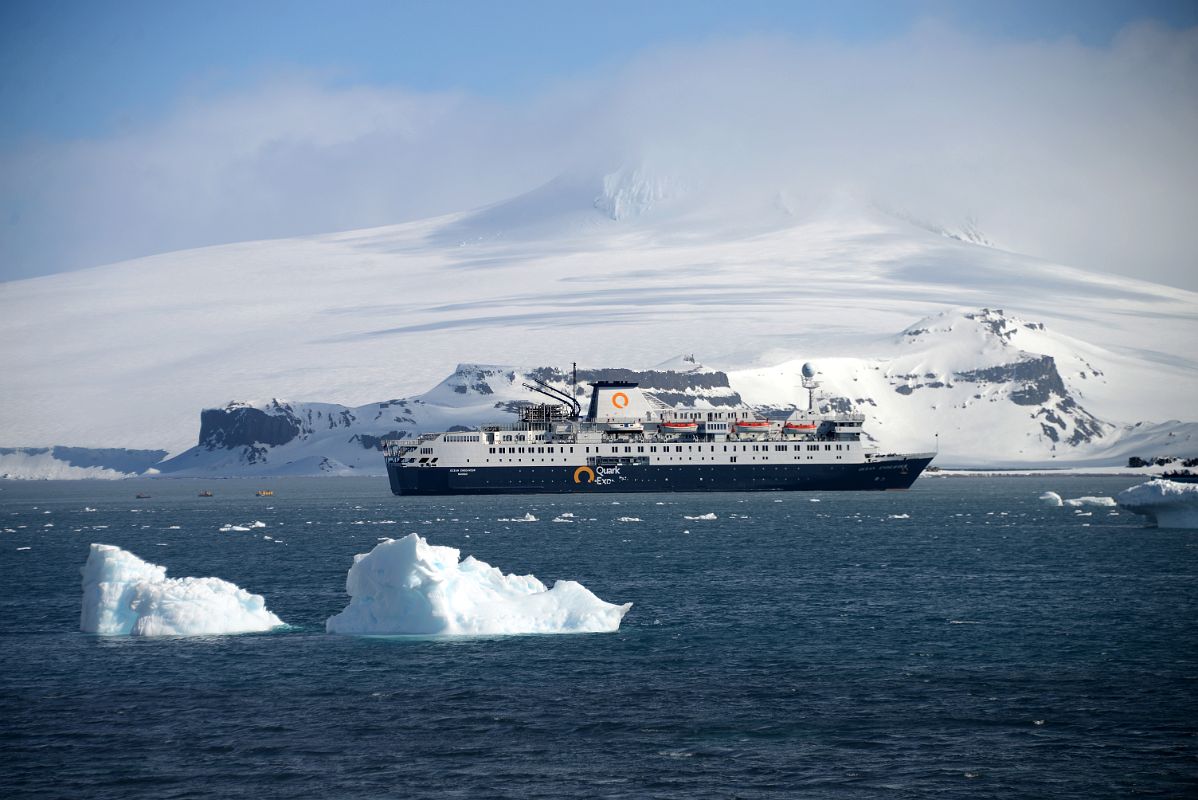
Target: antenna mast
810	384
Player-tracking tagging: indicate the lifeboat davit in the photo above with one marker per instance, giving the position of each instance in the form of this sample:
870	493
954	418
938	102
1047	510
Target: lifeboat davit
679	427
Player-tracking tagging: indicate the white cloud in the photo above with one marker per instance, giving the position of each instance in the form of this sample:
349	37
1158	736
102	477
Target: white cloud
1079	154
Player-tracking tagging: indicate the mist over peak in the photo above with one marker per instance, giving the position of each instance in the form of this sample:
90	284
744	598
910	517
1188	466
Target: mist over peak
1078	154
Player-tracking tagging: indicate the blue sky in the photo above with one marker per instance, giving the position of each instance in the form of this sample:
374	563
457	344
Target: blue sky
1064	129
77	69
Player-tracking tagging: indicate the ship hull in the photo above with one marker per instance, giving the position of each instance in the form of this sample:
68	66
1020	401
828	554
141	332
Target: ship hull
890	474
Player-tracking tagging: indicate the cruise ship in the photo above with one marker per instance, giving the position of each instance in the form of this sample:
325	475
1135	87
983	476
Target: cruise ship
629	441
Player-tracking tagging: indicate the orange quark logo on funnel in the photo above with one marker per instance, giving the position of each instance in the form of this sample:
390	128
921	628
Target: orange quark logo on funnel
584	471
619	400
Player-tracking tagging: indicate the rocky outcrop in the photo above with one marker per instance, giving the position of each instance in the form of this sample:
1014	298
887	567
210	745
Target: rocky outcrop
236	425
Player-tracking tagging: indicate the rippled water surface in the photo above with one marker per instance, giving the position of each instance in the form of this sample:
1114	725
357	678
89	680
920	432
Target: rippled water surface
956	639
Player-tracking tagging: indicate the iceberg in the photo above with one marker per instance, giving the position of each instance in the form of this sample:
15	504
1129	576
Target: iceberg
1051	499
1167	503
408	586
123	595
1106	502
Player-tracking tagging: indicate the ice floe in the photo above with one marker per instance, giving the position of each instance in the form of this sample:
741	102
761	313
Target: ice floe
1106	502
124	595
408	586
628	519
528	517
710	515
1167	503
1051	499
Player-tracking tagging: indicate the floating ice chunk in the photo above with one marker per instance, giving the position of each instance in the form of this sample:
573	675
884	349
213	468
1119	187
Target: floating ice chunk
899	516
566	517
526	518
24	548
257	524
124	595
629	519
1091	501
702	516
1167	503
227	528
1049	499
408	586
809	500
88	508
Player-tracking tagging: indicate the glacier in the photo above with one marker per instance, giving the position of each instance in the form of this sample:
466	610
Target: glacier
1168	504
410	587
124	595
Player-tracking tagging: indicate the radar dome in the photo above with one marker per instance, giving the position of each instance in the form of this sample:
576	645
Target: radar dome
808	370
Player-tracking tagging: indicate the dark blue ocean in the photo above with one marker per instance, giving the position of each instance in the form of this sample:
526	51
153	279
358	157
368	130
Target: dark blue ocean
983	645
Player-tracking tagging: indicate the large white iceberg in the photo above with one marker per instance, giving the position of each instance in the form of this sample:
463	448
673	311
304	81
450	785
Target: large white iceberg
1167	503
124	595
408	586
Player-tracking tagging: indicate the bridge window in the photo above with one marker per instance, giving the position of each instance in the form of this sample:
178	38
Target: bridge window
827	447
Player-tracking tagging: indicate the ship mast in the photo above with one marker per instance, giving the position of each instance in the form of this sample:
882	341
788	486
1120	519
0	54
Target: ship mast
810	384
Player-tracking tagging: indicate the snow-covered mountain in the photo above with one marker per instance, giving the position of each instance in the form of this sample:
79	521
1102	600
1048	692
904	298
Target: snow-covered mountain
625	270
961	380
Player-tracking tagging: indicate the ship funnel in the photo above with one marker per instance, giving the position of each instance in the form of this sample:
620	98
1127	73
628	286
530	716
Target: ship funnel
617	401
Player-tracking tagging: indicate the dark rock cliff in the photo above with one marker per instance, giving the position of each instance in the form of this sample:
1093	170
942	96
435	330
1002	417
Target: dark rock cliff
235	426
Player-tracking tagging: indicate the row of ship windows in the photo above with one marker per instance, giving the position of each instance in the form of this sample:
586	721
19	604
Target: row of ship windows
731	459
690	448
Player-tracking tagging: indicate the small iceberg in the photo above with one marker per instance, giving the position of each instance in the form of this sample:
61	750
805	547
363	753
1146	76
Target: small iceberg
1051	499
408	586
702	516
1105	502
528	517
123	595
1167	503
628	519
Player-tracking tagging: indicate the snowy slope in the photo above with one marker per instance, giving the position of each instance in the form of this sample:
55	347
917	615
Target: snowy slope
960	381
628	270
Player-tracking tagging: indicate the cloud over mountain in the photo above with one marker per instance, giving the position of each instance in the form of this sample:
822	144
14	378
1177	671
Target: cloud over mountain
1076	153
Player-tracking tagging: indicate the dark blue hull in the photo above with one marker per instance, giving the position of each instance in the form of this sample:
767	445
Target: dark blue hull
878	475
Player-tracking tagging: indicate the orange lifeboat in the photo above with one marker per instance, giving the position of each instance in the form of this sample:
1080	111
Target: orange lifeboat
757	425
799	427
680	426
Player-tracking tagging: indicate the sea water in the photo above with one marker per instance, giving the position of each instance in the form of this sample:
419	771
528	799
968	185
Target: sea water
958	639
